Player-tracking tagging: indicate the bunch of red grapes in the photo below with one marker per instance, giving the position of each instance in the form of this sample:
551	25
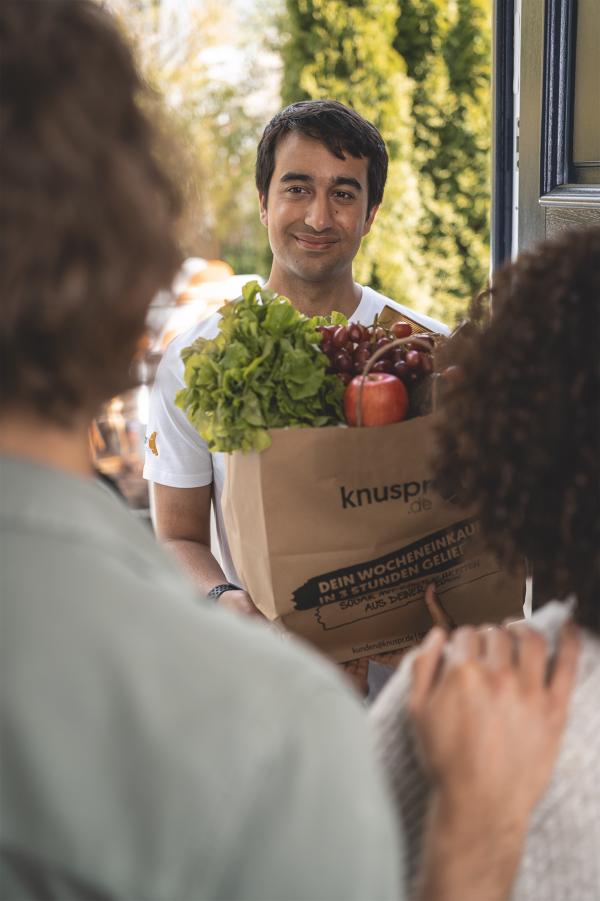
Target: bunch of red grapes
350	347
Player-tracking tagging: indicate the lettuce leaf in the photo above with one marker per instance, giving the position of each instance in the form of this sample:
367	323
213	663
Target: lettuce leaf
263	370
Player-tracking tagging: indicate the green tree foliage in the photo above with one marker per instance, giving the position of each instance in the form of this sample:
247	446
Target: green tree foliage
342	49
446	47
420	70
214	123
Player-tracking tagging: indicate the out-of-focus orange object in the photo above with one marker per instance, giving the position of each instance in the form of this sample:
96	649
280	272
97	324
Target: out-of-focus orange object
184	297
197	299
214	271
166	339
203	275
144	344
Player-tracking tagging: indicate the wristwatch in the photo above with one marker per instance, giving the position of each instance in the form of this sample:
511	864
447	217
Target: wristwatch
215	593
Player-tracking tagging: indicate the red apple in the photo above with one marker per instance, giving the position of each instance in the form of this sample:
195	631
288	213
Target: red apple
384	399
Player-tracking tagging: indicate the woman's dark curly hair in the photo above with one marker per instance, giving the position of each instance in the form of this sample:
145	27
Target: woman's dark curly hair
87	214
519	432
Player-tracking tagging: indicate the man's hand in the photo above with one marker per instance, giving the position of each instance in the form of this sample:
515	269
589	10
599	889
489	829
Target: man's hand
240	602
489	722
181	519
436	610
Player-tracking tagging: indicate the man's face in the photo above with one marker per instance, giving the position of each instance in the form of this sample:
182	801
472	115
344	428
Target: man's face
316	209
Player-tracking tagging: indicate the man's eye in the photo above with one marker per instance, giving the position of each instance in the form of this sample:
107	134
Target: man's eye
344	195
296	189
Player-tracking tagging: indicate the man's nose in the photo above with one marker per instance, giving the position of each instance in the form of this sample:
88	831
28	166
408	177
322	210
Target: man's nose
318	214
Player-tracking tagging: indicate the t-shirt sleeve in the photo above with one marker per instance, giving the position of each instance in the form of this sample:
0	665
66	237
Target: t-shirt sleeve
175	455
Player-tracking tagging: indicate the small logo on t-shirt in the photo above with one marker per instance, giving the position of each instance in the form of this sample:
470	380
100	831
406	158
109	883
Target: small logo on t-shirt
152	443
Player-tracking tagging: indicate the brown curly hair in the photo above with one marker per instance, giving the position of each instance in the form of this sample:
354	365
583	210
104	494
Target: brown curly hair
519	433
87	214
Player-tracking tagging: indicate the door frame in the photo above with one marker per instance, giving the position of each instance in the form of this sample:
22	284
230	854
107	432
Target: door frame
503	131
541	152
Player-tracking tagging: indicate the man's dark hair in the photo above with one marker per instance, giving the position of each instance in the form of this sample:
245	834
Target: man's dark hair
342	131
520	434
87	214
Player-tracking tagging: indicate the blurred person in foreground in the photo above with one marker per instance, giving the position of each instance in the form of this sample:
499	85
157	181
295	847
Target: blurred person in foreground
321	170
154	746
520	438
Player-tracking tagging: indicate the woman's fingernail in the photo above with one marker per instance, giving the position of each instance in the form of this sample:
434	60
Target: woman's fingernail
433	635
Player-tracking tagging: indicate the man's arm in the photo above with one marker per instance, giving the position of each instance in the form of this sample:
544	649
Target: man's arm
181	515
181	518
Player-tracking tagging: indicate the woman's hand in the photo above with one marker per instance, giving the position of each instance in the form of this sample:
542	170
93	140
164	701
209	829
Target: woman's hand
489	721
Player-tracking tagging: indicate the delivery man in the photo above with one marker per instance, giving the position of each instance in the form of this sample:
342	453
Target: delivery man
320	174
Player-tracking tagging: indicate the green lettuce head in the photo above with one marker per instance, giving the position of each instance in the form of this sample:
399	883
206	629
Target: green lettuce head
264	370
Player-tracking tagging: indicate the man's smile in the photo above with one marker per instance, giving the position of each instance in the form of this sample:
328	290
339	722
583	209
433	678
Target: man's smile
315	242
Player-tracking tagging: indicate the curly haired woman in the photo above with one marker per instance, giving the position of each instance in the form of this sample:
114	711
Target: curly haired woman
519	437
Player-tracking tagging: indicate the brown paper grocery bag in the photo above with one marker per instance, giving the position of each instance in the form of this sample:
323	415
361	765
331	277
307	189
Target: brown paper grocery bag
337	531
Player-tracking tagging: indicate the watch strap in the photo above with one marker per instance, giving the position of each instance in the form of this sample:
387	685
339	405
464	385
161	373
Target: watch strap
215	593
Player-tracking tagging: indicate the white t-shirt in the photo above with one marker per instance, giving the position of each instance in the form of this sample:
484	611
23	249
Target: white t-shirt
178	457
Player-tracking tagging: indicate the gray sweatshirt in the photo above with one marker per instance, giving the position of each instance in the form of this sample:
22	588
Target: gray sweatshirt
155	748
561	861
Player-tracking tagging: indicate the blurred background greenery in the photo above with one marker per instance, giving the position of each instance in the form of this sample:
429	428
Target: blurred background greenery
419	69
